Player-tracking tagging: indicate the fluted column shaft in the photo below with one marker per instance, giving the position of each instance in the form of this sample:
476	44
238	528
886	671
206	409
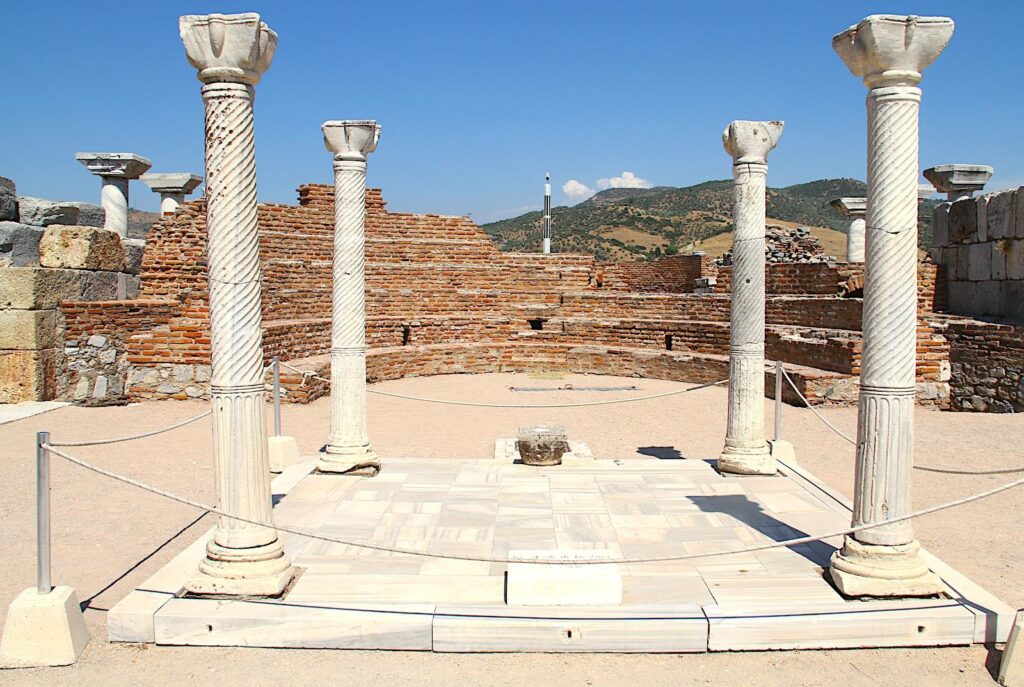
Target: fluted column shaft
745	430
885	427
349	435
114	201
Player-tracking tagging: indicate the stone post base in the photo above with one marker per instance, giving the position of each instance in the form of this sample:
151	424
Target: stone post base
747	461
780	449
1011	669
259	571
359	461
283	452
43	629
885	571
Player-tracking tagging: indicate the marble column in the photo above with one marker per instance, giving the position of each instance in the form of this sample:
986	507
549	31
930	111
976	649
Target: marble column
172	187
958	180
348	446
231	53
116	170
855	209
888	53
746	451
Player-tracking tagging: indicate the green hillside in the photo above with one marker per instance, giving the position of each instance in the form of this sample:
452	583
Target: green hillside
637	224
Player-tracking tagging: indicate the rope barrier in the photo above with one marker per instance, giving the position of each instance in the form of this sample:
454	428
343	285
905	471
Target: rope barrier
476	404
488	559
813	409
133	437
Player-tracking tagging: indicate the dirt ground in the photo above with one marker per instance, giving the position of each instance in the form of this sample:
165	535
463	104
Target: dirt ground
109	537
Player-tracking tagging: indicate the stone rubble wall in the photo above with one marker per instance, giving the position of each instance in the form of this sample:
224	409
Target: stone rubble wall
988	367
980	244
52	252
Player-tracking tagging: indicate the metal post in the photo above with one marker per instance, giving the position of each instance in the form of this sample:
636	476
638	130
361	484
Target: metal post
277	396
778	399
43	585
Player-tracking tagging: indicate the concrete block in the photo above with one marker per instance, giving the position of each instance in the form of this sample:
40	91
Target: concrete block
987	296
133	249
1014	259
979	261
1002	212
28	375
963	220
8	201
28	330
43	629
40	212
19	244
89	215
531	584
1011	303
81	248
961	297
283	452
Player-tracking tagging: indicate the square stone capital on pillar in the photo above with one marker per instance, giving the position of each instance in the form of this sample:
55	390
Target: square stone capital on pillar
351	139
850	207
887	49
172	182
120	165
228	47
750	142
958	180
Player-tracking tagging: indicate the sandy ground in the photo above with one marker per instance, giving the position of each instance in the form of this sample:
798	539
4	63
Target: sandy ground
109	537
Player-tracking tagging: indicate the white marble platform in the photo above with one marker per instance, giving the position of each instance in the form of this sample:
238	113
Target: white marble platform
9	412
351	597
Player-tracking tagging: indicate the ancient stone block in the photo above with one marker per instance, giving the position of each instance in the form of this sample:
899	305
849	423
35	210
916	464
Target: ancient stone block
979	261
133	249
1001	214
40	212
940	225
89	214
99	286
1018	219
963	220
128	286
542	445
82	248
962	266
19	244
34	288
1015	259
8	201
961	297
1011	303
981	208
28	329
28	375
987	296
999	248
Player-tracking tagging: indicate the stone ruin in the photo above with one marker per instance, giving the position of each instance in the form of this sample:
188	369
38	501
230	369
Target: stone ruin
787	245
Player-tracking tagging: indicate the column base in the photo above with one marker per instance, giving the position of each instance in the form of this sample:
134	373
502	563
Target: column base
43	630
757	461
860	569
348	460
259	571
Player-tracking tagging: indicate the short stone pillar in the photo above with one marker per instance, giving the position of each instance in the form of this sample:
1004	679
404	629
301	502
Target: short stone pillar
958	181
116	170
172	187
231	53
746	451
889	53
855	209
348	446
542	445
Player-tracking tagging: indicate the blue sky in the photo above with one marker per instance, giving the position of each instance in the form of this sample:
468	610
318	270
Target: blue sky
478	100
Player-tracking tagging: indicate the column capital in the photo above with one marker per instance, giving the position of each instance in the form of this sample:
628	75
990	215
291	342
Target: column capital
750	142
121	165
351	139
892	50
228	47
958	179
854	208
172	182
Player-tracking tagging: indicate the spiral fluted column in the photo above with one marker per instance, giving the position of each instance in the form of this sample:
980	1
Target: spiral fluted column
746	451
889	53
241	558
348	446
